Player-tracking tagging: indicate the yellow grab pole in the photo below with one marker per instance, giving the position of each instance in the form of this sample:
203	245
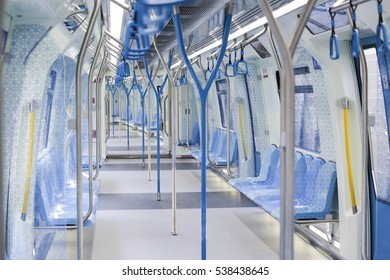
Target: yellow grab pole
348	151
29	161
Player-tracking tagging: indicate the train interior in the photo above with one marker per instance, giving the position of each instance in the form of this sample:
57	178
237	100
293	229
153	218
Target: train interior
179	129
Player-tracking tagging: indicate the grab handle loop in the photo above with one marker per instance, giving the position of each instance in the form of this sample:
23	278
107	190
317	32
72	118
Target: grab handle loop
242	65
334	46
218	73
381	32
235	62
229	68
208	72
355	33
382	42
355	43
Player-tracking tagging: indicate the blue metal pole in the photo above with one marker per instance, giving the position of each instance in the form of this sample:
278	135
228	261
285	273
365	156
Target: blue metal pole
143	129
142	94
128	119
158	146
203	99
113	109
157	94
203	106
128	112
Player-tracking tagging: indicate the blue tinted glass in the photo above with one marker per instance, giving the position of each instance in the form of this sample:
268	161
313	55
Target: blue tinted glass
319	20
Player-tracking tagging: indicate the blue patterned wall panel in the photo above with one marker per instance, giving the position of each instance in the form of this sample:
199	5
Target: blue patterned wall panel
319	104
33	83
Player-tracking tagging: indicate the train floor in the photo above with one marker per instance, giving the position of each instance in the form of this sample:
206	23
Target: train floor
132	224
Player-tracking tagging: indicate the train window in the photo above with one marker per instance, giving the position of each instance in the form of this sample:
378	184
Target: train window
222	100
4	35
319	20
45	122
378	135
260	49
307	134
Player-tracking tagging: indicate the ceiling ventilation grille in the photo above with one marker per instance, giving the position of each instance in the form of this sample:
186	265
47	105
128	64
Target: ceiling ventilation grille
195	16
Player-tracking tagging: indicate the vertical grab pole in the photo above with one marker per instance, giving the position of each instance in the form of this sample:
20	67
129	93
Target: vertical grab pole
143	95
127	92
188	115
2	222
90	167
128	117
173	137
149	109
108	113
113	109
174	126
203	99
157	94
128	109
287	126
143	128
99	114
149	147
119	113
364	209
230	173
345	105
83	50
32	106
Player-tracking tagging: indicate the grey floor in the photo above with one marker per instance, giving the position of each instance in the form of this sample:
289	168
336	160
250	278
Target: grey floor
132	224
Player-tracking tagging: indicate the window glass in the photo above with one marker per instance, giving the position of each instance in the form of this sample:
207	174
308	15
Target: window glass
222	99
48	102
307	134
378	132
320	21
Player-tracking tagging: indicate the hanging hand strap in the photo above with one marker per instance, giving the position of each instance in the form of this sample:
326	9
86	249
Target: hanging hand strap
229	68
382	42
355	33
334	47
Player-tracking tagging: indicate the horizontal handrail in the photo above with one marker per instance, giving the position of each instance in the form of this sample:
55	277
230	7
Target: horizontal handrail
246	42
315	221
122	5
113	37
346	5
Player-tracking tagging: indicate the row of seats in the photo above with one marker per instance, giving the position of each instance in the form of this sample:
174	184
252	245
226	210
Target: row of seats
56	199
315	184
218	148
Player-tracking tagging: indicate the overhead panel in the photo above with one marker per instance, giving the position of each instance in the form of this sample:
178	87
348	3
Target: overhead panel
198	17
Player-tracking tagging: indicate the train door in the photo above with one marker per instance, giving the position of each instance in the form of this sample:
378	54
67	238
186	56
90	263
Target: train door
188	124
378	114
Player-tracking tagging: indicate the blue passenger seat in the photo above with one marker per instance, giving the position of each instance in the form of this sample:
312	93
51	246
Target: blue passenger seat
271	179
317	203
195	135
213	144
263	196
304	203
265	163
55	199
218	147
